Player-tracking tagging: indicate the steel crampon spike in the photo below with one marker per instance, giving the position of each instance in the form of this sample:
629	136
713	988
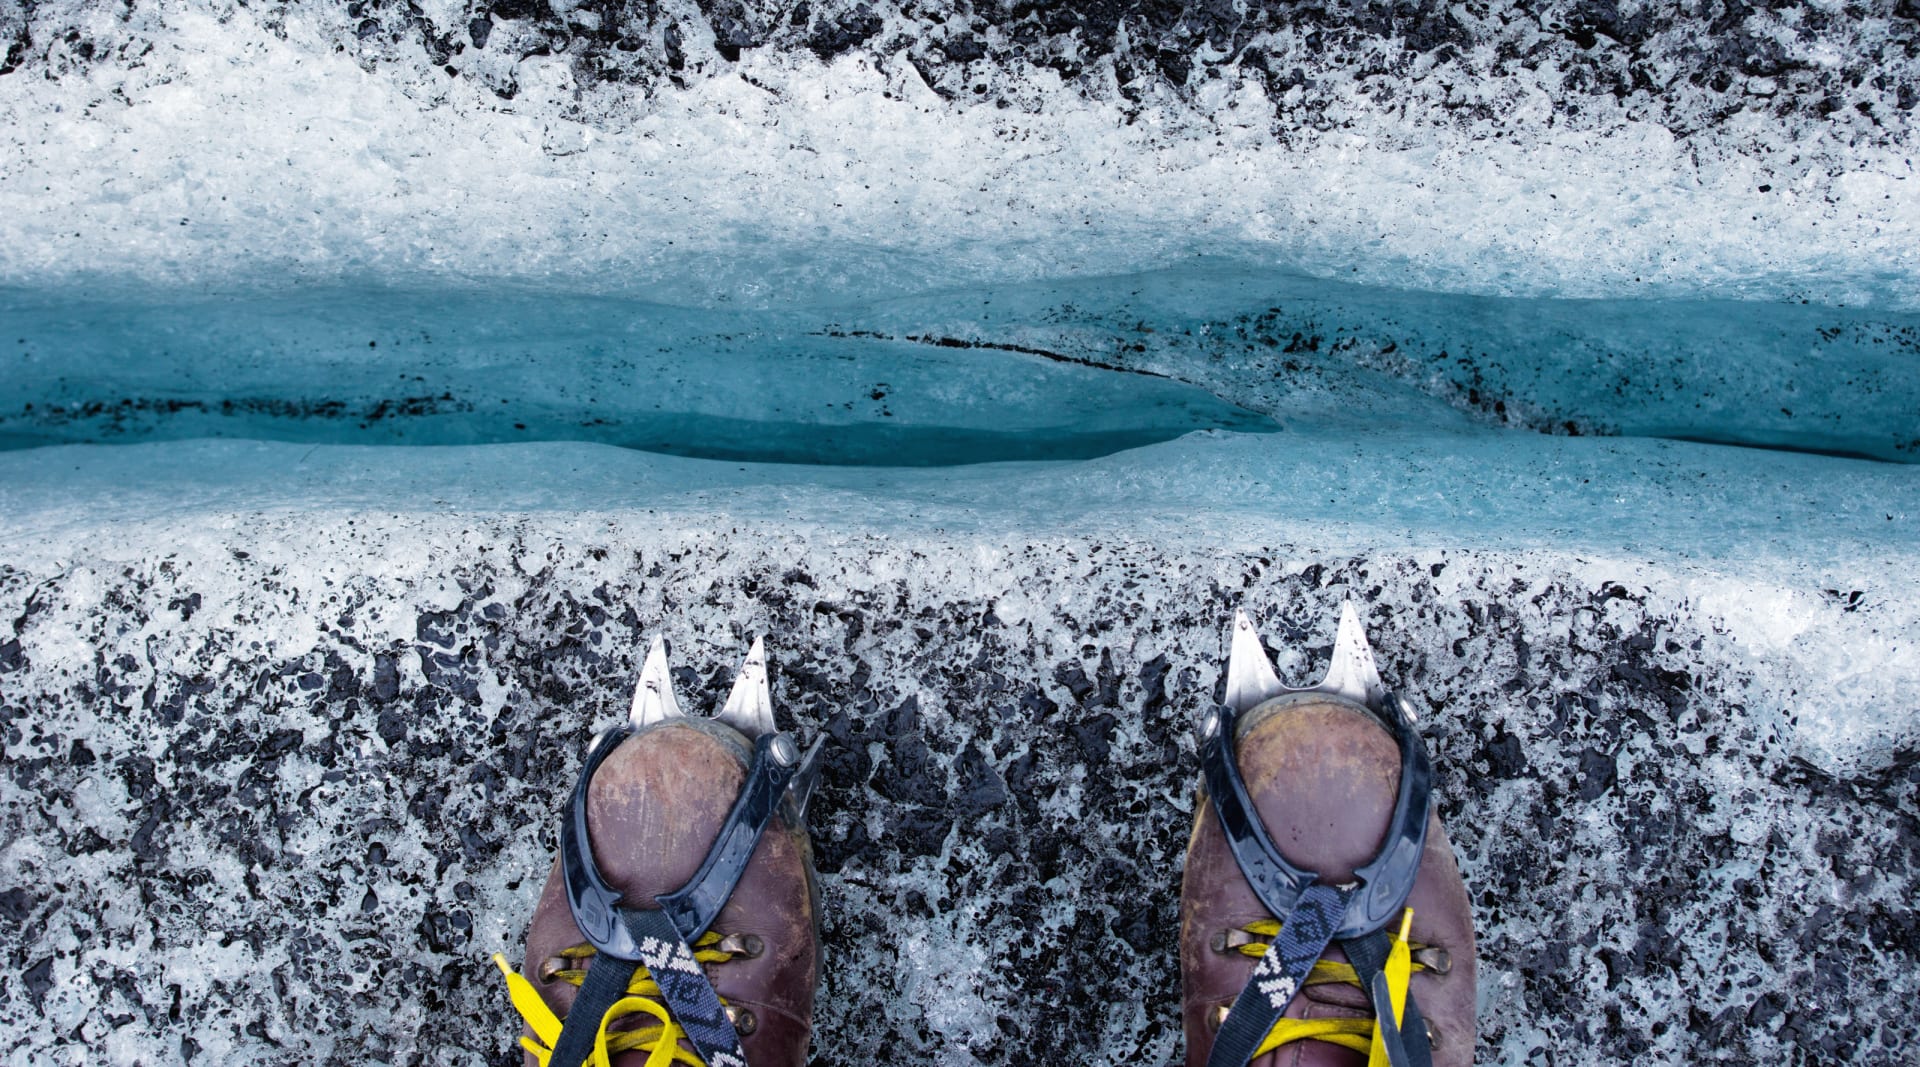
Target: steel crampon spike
653	699
1250	676
749	707
1353	673
800	788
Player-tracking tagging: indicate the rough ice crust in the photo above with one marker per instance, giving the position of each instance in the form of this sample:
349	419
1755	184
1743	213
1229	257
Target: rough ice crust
1504	69
1566	149
275	785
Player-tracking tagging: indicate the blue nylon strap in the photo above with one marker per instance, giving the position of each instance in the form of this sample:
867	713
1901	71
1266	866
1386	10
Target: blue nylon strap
1280	974
1416	1048
1406	1044
1390	1038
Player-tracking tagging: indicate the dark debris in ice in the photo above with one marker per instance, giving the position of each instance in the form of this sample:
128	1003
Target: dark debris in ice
281	814
1516	67
138	416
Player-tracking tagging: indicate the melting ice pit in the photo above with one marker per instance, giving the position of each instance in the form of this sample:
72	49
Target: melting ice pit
438	368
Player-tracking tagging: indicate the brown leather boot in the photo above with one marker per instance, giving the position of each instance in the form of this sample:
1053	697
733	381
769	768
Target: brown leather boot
654	808
1322	773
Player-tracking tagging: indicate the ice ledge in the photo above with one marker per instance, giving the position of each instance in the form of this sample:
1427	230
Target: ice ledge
331	682
1798	571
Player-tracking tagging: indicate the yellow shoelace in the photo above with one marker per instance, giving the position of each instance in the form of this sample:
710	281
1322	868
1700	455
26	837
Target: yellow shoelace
1360	1035
662	1042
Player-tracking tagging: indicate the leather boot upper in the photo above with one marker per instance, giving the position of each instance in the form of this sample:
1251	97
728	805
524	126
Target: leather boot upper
1323	776
653	809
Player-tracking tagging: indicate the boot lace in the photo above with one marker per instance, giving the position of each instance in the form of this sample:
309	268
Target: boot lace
1357	1034
661	1040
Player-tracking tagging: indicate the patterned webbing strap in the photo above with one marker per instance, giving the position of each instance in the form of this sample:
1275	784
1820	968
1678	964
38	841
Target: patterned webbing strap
1280	974
683	985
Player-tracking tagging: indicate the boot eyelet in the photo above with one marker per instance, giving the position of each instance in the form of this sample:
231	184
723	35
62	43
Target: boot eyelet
743	1021
1218	1017
746	946
1435	959
552	966
1228	940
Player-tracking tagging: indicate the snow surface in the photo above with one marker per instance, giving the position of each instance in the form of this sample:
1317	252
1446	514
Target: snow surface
286	715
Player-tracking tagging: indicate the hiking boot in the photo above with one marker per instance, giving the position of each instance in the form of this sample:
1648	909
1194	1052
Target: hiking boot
1322	774
654	807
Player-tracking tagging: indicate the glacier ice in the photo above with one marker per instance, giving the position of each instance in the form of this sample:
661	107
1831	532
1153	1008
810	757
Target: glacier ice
373	384
1061	369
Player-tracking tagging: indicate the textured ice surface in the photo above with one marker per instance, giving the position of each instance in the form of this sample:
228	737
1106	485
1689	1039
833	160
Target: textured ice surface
286	717
313	707
197	141
294	769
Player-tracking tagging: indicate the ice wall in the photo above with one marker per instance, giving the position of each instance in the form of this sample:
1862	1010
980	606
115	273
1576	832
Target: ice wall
1056	369
424	367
